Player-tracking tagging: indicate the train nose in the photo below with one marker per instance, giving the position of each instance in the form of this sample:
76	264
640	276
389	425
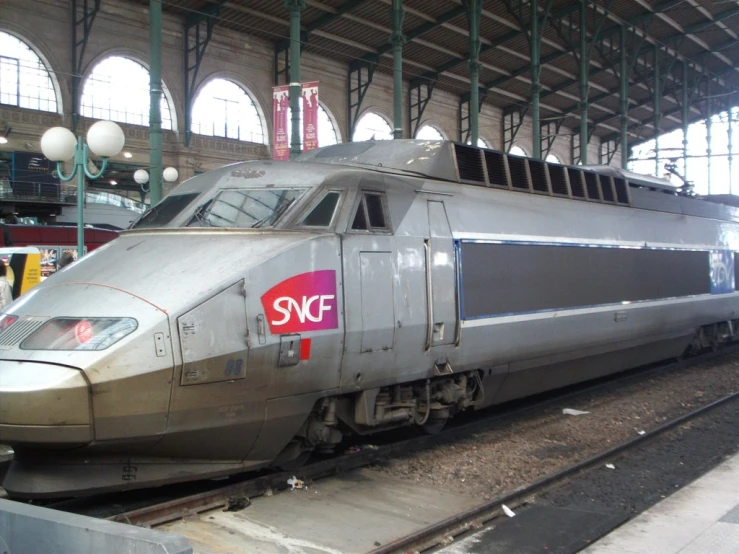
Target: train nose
43	403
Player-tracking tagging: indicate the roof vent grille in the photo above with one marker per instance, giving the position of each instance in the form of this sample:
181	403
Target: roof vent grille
539	176
519	173
469	163
497	169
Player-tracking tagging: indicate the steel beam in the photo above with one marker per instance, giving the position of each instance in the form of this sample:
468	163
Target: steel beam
473	18
420	90
295	8
608	149
397	40
584	81
360	77
81	29
624	98
464	115
197	34
512	121
282	47
155	102
549	133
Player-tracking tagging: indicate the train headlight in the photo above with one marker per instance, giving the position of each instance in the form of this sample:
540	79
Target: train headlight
67	333
6	320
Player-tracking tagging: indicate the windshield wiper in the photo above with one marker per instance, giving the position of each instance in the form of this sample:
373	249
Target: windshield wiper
274	216
198	215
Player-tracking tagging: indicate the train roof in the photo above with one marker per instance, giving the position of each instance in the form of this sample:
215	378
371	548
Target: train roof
465	164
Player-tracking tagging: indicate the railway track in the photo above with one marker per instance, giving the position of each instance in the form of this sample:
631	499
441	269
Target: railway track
452	528
236	495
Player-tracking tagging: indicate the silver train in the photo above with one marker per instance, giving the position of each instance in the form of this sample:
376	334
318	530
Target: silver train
265	310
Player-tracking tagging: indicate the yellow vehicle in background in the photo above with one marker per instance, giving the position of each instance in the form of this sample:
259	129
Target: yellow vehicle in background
24	268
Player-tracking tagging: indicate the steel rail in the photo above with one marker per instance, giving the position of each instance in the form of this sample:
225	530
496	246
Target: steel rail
433	535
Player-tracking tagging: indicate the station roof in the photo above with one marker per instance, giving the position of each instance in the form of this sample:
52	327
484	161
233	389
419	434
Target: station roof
661	36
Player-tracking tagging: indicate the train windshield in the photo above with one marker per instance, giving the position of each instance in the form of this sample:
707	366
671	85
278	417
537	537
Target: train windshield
245	208
165	211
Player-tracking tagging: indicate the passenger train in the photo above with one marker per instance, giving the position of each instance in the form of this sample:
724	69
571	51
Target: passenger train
265	310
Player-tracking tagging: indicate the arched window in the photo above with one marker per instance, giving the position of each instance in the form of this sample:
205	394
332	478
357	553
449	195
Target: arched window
481	143
552	158
24	79
118	89
429	132
224	109
517	151
327	134
372	126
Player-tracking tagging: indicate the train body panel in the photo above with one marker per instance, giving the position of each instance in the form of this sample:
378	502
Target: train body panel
264	310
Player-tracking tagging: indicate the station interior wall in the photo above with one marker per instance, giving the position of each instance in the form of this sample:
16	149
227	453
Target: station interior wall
121	28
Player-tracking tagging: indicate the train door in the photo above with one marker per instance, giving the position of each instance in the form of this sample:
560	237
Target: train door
369	268
441	279
218	399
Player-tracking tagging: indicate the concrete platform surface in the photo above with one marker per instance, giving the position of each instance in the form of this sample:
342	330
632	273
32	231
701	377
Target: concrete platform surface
352	513
702	518
28	529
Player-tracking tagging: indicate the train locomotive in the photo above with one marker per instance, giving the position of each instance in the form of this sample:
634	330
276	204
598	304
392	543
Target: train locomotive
265	310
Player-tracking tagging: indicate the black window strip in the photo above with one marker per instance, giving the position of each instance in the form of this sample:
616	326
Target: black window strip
502	279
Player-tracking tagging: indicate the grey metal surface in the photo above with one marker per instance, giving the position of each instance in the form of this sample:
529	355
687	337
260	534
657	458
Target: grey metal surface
27	529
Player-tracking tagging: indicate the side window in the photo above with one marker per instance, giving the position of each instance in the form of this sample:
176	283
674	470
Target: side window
370	214
323	214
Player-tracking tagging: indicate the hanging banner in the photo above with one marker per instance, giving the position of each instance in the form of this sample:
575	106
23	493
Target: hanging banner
310	115
280	113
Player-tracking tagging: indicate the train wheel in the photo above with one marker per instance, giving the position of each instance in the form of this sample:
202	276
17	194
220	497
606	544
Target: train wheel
434	427
292	457
295	463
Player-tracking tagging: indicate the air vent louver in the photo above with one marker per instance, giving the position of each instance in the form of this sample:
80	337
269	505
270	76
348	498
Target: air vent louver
558	180
591	182
519	173
497	169
539	177
606	187
576	182
469	163
622	190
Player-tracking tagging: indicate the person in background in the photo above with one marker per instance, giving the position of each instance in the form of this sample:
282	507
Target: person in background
6	291
65	260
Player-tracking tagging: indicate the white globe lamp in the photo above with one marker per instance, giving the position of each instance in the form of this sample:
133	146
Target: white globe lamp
58	144
170	174
106	139
141	176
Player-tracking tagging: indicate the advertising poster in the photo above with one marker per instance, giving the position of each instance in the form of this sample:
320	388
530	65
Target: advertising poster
310	115
49	260
280	111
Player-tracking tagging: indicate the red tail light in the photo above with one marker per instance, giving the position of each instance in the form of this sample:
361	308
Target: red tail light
83	332
6	320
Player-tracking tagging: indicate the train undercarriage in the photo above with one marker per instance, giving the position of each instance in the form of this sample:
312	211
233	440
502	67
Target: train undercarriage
428	403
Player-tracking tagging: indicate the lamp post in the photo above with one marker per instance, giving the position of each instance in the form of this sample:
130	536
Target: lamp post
170	175
59	144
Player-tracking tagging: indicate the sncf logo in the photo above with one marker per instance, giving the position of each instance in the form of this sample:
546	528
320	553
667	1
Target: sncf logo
306	302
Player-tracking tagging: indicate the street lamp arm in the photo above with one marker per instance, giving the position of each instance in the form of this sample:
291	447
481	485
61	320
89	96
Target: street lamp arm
100	172
60	173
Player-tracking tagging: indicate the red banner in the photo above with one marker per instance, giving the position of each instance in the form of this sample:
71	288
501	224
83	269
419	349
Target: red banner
310	115
280	114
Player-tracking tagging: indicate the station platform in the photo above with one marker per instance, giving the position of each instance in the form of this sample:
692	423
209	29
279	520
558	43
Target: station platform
701	518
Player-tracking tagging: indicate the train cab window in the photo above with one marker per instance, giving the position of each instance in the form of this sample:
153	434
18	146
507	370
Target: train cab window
165	211
245	208
323	213
370	214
